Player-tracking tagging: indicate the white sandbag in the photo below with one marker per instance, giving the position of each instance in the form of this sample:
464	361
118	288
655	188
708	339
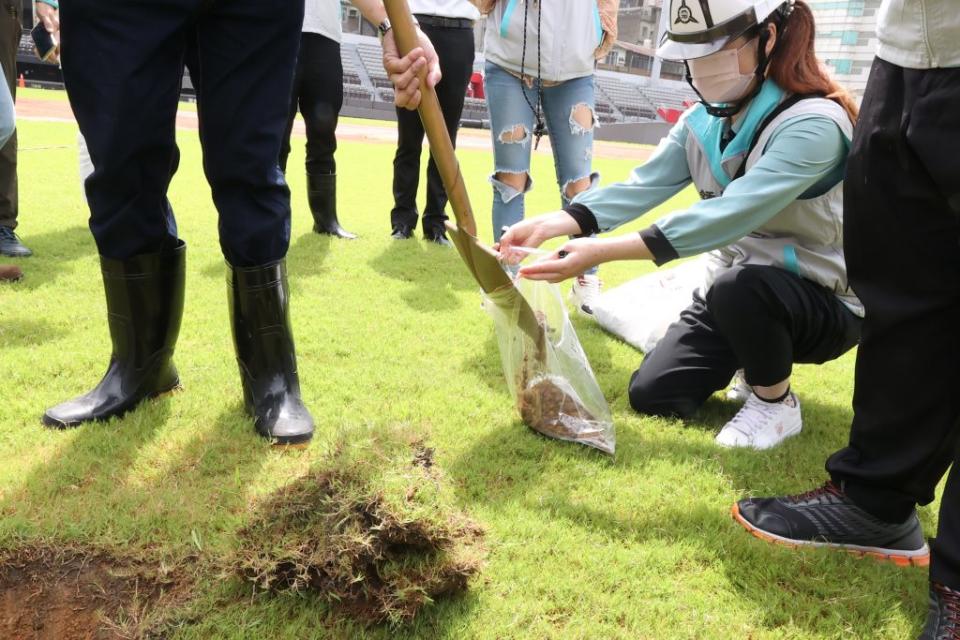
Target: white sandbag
639	311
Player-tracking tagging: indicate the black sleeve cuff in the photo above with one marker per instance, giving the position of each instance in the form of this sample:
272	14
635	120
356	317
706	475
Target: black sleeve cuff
585	218
663	252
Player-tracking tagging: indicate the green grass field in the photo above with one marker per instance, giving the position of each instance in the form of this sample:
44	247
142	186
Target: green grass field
391	334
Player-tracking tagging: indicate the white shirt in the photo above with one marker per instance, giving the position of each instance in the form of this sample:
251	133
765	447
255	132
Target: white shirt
323	17
445	8
919	34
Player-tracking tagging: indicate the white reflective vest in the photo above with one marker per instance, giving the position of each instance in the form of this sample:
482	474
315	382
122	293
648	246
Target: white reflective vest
806	237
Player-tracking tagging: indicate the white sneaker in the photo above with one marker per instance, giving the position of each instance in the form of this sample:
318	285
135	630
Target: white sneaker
762	425
584	294
739	390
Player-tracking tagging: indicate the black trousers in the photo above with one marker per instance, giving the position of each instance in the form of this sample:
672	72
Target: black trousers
761	319
122	66
455	49
902	244
10	31
318	96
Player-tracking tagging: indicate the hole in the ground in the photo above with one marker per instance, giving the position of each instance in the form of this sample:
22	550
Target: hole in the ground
78	594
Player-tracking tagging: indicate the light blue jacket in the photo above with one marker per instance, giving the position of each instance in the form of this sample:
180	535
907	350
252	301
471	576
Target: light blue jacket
786	210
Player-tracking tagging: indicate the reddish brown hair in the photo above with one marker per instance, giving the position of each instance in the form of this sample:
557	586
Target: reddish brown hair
794	65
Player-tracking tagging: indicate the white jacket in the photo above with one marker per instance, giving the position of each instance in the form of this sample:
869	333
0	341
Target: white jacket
323	17
570	33
919	34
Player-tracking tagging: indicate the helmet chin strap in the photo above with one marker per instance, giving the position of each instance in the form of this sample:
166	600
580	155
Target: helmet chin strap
728	110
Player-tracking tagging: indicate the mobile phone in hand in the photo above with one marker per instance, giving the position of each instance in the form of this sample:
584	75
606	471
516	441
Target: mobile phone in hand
44	41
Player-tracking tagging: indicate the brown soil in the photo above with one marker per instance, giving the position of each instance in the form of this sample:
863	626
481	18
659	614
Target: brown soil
548	409
422	455
543	404
332	532
76	595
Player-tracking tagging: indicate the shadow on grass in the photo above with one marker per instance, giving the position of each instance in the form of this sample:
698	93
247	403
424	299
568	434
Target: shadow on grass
215	270
820	592
139	482
431	274
28	333
225	604
80	473
52	252
229	607
517	468
304	258
307	255
167	495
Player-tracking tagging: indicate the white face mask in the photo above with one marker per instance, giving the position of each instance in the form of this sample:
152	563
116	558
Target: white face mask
717	77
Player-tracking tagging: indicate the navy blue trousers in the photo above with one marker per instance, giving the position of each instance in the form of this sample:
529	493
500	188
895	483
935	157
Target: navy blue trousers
123	64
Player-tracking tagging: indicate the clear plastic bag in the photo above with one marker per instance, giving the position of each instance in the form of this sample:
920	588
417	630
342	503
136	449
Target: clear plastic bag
547	372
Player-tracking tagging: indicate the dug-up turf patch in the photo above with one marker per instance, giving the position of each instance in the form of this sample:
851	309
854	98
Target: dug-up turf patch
77	594
372	530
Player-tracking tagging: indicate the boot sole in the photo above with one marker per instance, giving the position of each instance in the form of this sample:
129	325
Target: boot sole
291	445
299	441
290	442
53	423
919	558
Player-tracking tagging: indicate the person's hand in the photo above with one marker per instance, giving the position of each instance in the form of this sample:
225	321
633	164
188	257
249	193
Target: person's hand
50	18
533	232
404	72
572	259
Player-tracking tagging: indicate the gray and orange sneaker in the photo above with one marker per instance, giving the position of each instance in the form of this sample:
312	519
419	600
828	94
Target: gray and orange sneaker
943	615
826	517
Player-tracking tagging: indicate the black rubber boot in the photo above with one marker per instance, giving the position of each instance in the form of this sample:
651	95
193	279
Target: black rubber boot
322	196
260	319
144	307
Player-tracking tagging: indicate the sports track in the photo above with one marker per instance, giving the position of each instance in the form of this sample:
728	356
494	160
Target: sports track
352	130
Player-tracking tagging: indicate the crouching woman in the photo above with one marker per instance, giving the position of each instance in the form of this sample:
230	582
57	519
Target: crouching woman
766	148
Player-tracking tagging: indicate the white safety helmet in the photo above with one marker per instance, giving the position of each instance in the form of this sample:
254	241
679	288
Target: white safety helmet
698	28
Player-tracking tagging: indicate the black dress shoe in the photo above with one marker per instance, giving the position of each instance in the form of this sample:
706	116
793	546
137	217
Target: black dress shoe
437	238
401	232
10	244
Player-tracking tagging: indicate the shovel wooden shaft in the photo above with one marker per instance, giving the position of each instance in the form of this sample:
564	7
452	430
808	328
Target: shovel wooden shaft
482	261
441	147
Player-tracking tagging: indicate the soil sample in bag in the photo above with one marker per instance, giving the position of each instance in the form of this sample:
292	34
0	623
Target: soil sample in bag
549	406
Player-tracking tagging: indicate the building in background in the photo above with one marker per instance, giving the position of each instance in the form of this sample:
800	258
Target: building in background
352	21
846	39
638	26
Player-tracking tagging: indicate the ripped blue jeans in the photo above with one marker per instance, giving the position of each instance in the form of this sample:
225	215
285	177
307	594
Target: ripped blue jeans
512	124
